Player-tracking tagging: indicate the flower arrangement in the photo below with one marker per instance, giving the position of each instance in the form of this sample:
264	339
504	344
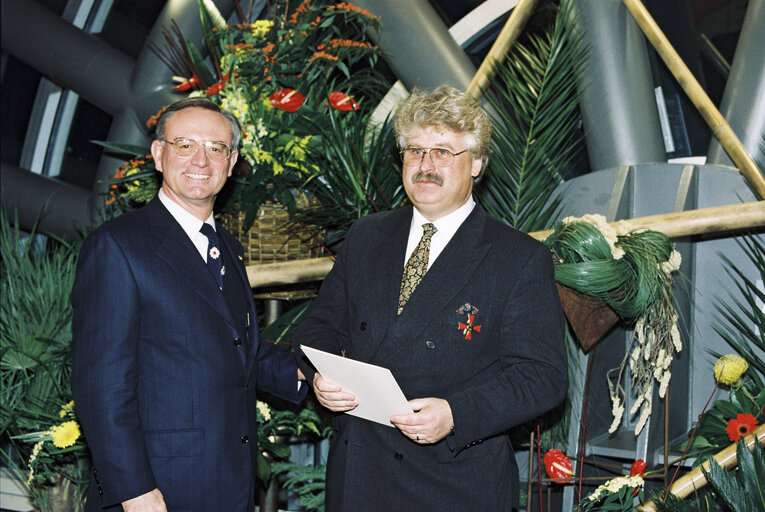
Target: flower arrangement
282	77
59	457
631	272
728	420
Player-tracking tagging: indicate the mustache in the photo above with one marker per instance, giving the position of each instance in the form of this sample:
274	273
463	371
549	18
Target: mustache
428	176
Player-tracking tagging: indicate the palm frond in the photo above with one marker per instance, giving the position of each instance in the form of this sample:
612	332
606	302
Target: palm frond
741	321
534	114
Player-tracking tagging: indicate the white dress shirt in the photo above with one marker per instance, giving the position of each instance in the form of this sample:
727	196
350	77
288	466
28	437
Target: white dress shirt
190	224
446	226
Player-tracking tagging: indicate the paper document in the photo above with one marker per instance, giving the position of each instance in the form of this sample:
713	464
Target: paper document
377	391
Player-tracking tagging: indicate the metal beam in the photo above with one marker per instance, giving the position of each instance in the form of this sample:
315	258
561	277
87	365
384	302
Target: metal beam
417	46
621	121
743	103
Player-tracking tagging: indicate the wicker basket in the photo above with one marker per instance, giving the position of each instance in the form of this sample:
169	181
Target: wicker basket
274	236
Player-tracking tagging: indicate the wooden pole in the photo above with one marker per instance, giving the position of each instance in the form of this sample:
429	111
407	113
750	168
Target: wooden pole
718	219
720	127
695	479
510	32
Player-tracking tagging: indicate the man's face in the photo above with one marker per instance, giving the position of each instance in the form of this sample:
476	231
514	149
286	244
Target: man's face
437	191
194	182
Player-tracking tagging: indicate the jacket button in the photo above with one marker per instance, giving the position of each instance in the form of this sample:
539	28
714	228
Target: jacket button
245	439
363	326
237	342
430	344
398	455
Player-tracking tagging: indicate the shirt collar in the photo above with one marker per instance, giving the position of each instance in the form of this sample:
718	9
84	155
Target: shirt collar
190	224
448	224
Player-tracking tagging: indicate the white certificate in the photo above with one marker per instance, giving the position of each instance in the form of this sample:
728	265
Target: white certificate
376	390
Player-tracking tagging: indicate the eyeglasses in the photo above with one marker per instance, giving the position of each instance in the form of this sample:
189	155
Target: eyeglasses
439	156
187	148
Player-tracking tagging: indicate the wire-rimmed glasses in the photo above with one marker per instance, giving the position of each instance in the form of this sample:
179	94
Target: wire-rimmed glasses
187	148
439	156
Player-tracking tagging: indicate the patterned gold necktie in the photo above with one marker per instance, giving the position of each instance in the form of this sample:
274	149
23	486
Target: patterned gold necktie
416	266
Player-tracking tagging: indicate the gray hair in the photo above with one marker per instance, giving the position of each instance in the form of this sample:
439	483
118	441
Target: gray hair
236	131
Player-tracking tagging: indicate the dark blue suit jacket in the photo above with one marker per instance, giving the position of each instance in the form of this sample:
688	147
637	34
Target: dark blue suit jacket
163	376
511	367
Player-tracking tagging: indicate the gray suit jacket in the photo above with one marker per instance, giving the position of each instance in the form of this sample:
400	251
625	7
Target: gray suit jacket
507	367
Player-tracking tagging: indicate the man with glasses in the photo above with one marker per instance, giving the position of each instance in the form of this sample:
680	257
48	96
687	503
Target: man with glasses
166	351
460	307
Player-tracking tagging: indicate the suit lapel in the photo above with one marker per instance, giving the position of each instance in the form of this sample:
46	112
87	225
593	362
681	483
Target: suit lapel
450	273
174	247
229	242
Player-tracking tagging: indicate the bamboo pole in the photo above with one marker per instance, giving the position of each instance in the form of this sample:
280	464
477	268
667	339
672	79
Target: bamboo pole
510	32
695	479
720	127
718	219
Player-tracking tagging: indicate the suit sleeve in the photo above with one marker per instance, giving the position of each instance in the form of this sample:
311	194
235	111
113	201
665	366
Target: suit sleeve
325	326
105	331
277	373
531	351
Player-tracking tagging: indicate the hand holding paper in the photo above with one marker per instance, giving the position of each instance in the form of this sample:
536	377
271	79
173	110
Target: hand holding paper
332	396
378	395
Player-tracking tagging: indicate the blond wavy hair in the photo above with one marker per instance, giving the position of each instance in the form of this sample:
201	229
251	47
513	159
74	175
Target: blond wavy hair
445	107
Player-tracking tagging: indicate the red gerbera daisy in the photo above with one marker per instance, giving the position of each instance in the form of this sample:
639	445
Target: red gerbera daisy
741	426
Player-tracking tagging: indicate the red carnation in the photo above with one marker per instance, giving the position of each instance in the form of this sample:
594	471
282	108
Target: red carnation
341	101
558	466
288	100
741	426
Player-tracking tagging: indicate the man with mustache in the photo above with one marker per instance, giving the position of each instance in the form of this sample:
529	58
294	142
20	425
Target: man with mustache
464	312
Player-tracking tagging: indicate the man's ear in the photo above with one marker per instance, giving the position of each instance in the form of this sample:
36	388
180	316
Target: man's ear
156	153
232	161
475	171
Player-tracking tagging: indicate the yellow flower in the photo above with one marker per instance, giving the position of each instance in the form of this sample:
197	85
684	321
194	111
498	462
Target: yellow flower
66	434
66	409
730	368
261	27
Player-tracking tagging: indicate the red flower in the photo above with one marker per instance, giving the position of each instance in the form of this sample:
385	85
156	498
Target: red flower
184	84
288	100
558	466
741	426
638	467
341	101
217	87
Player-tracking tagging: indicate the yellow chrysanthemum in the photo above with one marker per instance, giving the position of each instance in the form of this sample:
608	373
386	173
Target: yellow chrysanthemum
730	368
66	434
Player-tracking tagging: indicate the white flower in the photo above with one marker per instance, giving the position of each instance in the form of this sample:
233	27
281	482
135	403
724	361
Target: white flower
617	409
646	411
636	405
614	485
664	383
265	411
635	357
675	335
